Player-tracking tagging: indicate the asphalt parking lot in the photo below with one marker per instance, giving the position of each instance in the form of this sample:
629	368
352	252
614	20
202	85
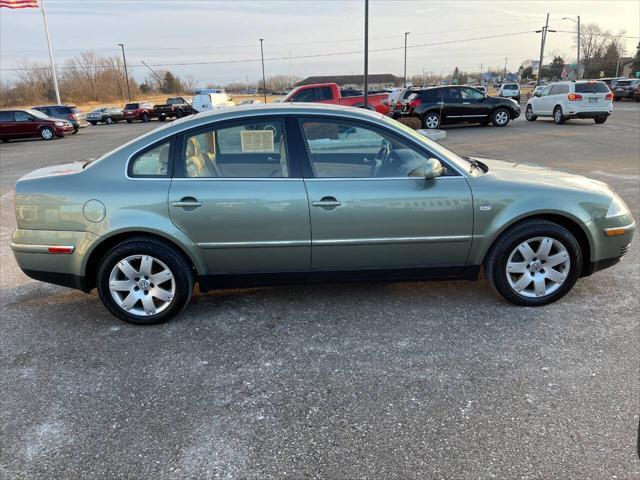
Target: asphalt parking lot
355	381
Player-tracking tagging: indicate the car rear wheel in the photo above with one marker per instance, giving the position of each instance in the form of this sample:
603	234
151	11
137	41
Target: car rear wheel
501	117
47	133
431	121
145	117
109	121
93	123
534	263
558	117
528	114
144	281
129	121
601	119
179	114
162	118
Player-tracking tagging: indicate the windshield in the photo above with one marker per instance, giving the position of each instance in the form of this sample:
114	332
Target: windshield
511	86
461	162
595	87
38	114
623	83
174	101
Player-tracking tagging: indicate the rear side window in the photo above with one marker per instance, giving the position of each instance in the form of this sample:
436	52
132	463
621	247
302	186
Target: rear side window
6	116
428	96
249	149
153	162
559	89
595	87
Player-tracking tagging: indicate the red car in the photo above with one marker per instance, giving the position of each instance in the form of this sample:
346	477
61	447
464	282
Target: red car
31	123
330	93
143	111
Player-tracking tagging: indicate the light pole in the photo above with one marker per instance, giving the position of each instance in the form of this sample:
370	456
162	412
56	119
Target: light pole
126	74
405	58
366	53
577	45
264	79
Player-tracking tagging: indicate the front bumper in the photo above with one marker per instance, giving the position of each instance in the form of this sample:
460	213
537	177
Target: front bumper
612	238
62	131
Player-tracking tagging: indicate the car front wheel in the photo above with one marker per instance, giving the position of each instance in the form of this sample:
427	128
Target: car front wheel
47	133
501	117
109	121
145	117
431	121
558	117
144	281
528	114
534	263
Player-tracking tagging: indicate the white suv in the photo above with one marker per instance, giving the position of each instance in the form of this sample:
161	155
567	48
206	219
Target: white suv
510	90
565	100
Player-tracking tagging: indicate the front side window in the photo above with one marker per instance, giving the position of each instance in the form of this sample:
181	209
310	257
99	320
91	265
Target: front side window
23	117
251	149
471	94
342	149
308	95
151	163
545	91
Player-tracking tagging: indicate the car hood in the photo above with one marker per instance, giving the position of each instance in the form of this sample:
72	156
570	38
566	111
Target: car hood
541	176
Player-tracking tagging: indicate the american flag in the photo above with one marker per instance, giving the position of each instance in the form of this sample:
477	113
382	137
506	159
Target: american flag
19	3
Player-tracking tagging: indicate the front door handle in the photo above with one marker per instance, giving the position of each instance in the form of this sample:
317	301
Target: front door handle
466	103
187	202
325	202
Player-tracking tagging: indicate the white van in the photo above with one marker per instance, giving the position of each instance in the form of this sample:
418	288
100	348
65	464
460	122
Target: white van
210	100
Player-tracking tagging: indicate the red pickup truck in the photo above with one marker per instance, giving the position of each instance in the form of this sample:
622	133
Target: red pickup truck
330	93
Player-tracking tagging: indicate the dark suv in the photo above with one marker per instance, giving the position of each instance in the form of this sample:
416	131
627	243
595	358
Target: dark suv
454	104
70	113
624	89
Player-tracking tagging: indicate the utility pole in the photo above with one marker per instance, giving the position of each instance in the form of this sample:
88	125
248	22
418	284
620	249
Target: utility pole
264	79
126	73
504	77
366	53
481	81
405	58
544	31
53	67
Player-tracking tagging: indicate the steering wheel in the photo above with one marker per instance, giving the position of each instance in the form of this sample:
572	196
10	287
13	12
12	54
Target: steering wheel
382	157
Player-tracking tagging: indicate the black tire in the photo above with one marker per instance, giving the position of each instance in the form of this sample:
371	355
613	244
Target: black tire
145	117
179	114
108	121
93	123
517	99
499	119
558	117
431	121
170	256
4	140
529	114
162	118
601	119
75	130
495	264
47	133
129	120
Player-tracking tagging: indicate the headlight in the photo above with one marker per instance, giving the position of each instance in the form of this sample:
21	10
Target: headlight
59	124
617	207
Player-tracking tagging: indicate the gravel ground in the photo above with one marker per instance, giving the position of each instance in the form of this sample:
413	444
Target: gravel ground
361	381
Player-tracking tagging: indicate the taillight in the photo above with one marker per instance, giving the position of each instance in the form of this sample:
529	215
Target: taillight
72	116
609	96
414	103
574	97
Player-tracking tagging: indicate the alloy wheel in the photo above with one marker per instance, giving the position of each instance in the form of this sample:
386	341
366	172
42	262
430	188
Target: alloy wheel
47	133
538	267
432	121
142	285
529	113
502	118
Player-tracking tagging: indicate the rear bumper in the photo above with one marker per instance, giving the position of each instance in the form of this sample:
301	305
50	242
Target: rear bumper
589	114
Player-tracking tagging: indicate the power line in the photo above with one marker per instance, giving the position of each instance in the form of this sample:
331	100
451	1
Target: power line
316	55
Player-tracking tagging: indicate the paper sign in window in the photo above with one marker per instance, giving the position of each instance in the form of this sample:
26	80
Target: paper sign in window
257	140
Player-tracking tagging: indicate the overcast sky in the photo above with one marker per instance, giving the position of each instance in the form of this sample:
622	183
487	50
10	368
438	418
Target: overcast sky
169	31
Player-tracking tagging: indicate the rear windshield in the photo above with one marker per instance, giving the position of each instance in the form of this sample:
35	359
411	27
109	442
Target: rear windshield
511	86
623	83
174	101
595	87
131	106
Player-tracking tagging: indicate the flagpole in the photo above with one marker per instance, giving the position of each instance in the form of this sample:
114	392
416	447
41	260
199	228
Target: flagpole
53	67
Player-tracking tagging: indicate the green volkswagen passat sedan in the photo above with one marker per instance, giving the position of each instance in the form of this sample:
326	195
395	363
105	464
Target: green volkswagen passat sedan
290	193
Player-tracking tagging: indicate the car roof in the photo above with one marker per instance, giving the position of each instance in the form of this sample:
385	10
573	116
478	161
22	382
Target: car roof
55	106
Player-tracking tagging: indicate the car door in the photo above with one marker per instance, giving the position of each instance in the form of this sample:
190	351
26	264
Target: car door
368	212
452	108
239	195
25	125
7	124
473	103
544	104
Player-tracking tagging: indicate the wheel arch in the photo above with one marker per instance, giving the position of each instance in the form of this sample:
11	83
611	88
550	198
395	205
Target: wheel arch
107	243
573	225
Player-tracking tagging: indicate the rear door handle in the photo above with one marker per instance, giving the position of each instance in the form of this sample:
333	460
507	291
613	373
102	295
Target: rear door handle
187	202
326	202
466	103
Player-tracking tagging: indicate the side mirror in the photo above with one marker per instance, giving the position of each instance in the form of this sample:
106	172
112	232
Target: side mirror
430	169
537	94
